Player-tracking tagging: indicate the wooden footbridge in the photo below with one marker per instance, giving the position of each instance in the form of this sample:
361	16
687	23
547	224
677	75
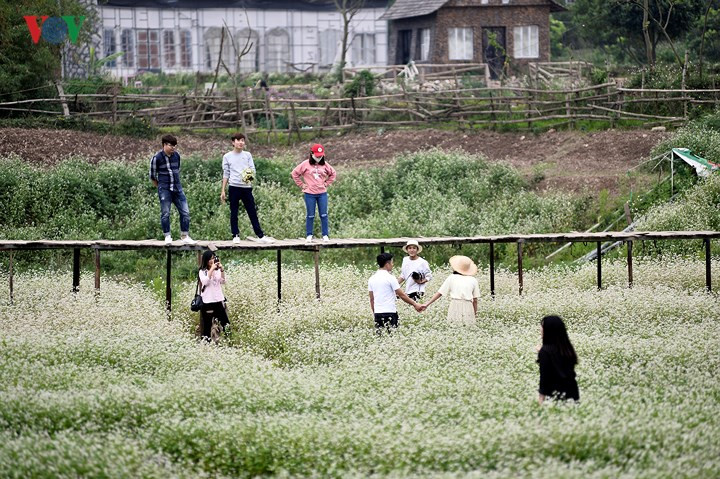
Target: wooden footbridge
316	248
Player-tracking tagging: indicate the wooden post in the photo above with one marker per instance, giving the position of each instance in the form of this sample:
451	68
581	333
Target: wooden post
317	272
76	270
629	262
492	269
97	270
61	94
279	275
168	282
708	283
599	264
684	72
568	112
382	249
114	104
520	271
672	174
199	259
11	277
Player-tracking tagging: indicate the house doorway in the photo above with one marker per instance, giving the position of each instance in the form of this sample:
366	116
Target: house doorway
403	47
494	50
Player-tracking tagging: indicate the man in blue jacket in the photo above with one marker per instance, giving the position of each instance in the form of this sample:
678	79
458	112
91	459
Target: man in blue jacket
165	175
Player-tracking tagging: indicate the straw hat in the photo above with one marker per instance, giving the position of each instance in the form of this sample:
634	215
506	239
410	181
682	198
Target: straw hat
412	243
463	265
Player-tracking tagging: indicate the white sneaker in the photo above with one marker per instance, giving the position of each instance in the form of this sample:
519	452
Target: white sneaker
188	240
236	239
267	239
309	239
168	239
326	239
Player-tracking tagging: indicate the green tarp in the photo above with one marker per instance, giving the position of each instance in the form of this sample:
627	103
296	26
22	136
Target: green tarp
703	167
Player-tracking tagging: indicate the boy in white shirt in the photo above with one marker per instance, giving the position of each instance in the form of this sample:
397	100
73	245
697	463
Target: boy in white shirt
415	271
383	288
238	168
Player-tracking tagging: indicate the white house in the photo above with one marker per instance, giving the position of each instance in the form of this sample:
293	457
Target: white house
173	36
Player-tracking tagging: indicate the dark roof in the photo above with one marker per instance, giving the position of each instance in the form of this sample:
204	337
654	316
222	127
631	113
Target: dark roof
417	8
307	5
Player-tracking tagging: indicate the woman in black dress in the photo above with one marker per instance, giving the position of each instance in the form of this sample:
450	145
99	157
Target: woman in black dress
557	360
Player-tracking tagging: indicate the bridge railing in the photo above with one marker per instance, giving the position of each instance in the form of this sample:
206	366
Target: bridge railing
97	246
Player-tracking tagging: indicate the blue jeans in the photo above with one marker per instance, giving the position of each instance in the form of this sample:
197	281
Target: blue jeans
178	198
321	200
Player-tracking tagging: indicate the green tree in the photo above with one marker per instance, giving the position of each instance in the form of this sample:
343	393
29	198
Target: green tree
558	49
634	28
25	66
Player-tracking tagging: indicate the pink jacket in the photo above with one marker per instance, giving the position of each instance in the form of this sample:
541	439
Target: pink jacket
313	179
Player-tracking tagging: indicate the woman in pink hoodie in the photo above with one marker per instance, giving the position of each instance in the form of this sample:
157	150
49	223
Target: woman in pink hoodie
313	176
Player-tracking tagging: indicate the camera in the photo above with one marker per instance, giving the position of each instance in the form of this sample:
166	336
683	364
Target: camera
215	258
417	276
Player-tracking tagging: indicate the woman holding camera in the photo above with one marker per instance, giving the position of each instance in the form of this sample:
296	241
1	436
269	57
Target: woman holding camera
212	277
463	289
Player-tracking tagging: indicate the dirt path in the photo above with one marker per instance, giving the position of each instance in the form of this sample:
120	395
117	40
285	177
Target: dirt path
568	161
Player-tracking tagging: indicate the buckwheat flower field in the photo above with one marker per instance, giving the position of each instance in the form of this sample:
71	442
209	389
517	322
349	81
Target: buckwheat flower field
105	386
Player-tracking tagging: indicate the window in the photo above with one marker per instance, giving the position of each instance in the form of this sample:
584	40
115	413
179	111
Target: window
505	2
484	2
212	38
169	48
460	46
329	40
363	49
185	49
148	49
249	61
278	50
110	46
424	44
526	43
127	43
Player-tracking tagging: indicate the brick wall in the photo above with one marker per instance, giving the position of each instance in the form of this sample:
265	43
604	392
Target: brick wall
414	24
492	16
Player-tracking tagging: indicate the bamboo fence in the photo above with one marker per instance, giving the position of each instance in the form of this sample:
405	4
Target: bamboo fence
259	111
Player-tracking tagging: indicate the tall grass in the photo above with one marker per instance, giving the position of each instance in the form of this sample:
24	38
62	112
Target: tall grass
431	193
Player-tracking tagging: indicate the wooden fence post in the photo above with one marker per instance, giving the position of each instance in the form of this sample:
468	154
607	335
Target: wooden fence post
317	272
76	270
708	283
599	265
630	264
279	275
168	282
11	277
520	271
492	269
97	270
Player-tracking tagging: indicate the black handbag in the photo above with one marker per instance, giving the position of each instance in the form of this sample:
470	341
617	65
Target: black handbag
197	302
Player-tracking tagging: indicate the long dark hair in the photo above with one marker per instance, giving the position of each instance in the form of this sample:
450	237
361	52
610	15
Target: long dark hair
555	339
206	257
313	161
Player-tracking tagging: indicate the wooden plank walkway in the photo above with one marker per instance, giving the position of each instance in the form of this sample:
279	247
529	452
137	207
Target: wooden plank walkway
316	247
300	245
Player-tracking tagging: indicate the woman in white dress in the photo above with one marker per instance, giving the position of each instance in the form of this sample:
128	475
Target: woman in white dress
463	289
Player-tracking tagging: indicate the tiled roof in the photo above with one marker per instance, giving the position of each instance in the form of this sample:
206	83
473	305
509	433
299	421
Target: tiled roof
412	8
417	8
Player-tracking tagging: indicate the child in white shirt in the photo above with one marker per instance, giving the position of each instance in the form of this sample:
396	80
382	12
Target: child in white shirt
415	271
